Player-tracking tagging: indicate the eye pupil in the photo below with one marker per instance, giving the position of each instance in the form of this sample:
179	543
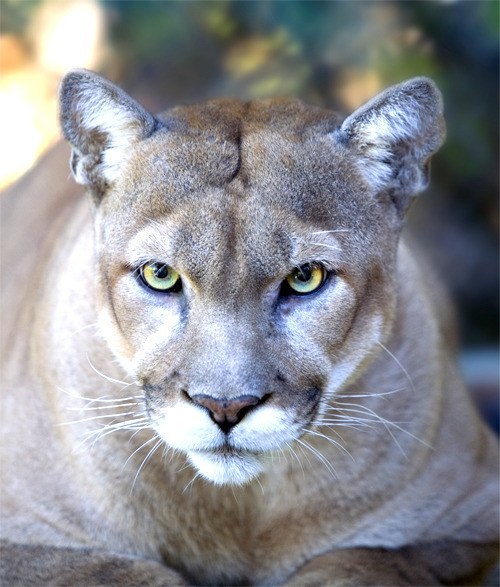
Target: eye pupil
304	279
304	273
161	271
160	277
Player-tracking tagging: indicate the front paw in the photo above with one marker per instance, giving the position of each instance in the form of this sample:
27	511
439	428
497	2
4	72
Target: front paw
361	567
36	565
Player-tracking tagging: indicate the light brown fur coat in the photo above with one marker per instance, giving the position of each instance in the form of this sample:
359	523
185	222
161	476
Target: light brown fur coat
364	462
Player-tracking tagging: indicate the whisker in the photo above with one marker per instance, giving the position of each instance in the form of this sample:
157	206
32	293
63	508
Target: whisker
332	247
296	456
387	423
331	440
110	379
146	459
337	433
129	425
381	394
260	485
360	409
147	425
186	465
352	425
138	449
168	451
102	416
234	495
117	425
102	398
330	468
341	417
399	364
364	410
111	407
78	330
190	484
305	455
95	435
92	442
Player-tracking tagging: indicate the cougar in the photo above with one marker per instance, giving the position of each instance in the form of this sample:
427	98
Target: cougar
226	367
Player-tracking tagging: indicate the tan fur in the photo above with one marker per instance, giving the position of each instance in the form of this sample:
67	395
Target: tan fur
363	462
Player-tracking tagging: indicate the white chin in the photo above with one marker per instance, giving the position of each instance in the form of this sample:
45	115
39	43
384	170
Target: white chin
226	469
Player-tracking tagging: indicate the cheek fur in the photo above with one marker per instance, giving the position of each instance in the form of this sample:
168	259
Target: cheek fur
357	354
139	329
153	339
315	330
117	342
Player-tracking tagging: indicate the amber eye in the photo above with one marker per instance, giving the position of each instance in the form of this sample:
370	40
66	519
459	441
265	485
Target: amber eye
160	277
305	279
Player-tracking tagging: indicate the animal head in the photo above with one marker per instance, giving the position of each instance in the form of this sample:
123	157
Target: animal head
246	253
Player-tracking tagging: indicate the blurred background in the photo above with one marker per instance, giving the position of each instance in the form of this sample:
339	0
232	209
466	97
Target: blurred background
331	53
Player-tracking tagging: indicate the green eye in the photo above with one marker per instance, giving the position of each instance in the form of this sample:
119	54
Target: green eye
305	279
160	277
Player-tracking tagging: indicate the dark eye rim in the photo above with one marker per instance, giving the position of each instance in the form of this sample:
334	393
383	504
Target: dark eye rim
139	272
287	292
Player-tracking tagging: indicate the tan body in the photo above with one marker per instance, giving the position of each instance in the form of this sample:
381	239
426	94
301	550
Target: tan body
407	495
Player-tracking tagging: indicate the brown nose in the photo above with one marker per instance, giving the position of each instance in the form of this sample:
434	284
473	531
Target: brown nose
227	412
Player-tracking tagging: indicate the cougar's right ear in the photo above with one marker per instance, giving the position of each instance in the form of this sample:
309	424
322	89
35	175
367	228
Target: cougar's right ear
101	122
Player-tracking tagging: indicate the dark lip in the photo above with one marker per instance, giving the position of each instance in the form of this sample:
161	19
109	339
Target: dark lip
230	451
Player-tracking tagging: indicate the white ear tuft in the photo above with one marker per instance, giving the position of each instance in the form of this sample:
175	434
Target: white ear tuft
101	122
394	135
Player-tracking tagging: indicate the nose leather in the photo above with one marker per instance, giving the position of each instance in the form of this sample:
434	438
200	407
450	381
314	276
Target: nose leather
227	412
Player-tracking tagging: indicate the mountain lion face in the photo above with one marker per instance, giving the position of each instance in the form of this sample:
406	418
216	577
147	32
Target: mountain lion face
246	254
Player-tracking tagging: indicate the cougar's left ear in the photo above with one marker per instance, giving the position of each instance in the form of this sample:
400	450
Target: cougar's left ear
101	122
393	136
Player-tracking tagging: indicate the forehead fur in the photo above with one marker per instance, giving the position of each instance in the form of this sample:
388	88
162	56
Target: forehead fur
277	152
247	189
272	153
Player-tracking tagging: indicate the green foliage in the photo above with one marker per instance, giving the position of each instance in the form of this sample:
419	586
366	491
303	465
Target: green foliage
15	15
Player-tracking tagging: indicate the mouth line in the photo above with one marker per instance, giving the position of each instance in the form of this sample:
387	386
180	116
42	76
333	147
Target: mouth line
228	451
